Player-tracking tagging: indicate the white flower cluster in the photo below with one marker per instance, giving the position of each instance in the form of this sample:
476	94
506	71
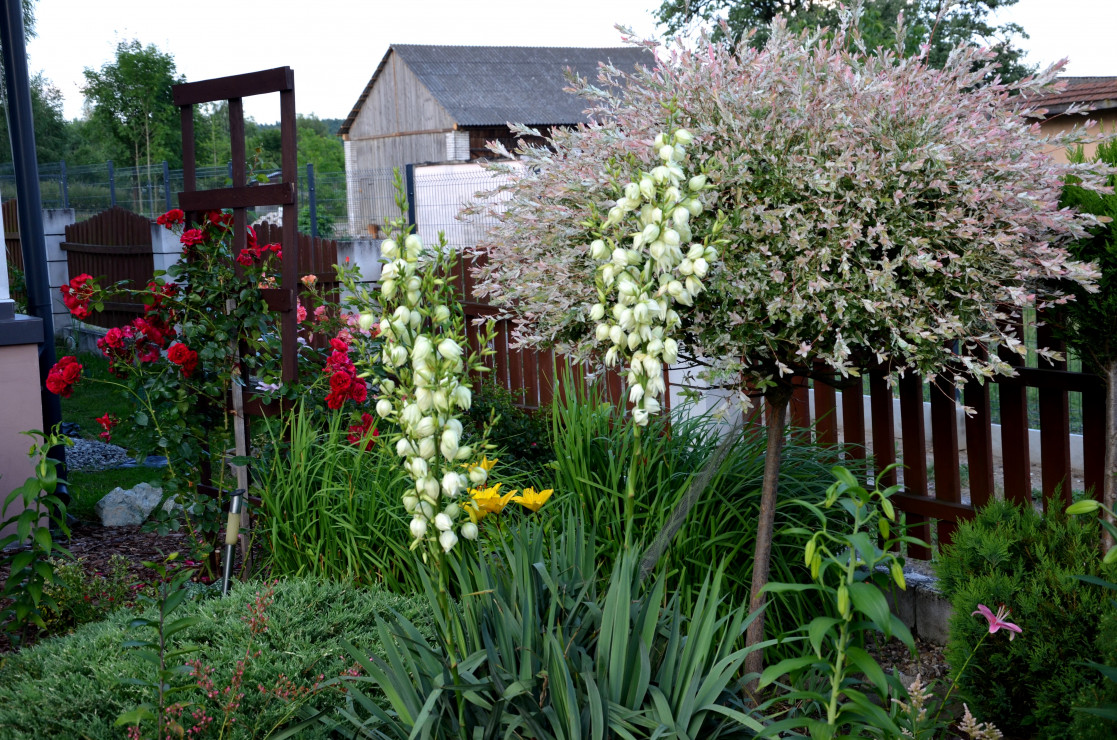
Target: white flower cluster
423	350
652	273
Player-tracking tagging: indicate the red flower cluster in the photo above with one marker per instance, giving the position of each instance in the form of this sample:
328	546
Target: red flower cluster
158	294
344	383
184	357
107	422
357	432
171	218
62	377
220	218
76	296
141	340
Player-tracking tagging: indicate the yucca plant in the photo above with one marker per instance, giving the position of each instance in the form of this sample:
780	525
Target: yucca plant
546	653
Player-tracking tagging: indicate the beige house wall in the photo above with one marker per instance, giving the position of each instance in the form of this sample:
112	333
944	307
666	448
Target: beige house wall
1106	123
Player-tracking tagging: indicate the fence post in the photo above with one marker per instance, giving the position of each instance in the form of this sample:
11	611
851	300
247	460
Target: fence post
312	196
409	182
167	184
230	169
64	184
112	185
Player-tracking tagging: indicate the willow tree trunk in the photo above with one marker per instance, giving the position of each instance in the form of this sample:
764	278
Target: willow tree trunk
761	562
1109	485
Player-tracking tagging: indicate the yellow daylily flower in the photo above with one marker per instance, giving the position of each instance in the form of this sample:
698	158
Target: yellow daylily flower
485	463
489	500
532	500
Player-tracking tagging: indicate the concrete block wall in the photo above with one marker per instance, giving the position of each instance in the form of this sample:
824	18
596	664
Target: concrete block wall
55	221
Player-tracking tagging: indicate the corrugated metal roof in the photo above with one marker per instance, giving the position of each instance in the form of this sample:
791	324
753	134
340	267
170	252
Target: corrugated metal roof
494	85
1097	92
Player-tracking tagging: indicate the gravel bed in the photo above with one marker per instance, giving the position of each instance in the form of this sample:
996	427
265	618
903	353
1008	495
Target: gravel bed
87	454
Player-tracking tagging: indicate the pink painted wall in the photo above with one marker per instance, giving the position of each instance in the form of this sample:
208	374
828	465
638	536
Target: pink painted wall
20	410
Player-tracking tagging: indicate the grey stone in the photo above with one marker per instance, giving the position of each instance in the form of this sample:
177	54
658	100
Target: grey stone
121	508
921	607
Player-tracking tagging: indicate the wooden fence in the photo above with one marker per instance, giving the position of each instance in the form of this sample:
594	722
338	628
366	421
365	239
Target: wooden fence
114	245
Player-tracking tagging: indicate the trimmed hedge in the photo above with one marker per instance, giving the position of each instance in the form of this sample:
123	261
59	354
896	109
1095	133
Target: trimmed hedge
67	686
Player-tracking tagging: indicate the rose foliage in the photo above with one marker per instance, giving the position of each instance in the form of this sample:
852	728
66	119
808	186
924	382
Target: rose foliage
877	209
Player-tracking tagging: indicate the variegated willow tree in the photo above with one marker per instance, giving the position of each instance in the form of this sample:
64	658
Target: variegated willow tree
877	212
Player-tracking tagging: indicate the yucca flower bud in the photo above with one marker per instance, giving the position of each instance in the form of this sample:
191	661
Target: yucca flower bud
430	488
616	335
469	531
418	527
680	215
465	452
616	213
425	427
478	475
447	539
598	250
424	399
700	267
383	408
660	140
611	357
693	286
650	233
640	417
418	468
602	332
635	393
443	522
683	137
449	349
388	289
597	312
452	484
449	444
404	448
647	187
666	153
441	400
632	191
413	245
410	502
389	271
366	321
389	250
693	205
462	397
670	351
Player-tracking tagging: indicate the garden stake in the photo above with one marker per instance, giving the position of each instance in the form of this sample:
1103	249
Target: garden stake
232	532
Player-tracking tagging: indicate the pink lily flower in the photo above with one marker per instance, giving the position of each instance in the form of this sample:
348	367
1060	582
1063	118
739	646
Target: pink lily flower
996	621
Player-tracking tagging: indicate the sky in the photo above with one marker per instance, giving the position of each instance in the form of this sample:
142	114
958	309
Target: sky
334	45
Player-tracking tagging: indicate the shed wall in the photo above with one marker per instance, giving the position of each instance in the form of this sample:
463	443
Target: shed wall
398	103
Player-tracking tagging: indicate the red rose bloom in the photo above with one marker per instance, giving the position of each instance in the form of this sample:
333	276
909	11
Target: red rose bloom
107	422
184	357
339	345
62	377
76	296
190	237
246	257
357	432
171	218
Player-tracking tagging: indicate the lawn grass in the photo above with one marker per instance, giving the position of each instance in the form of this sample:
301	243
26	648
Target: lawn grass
89	487
92	399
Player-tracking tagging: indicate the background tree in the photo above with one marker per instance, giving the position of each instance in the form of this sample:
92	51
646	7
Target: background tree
882	213
52	134
130	101
1090	326
965	21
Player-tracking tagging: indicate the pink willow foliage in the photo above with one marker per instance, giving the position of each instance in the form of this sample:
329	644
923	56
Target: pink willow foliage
879	209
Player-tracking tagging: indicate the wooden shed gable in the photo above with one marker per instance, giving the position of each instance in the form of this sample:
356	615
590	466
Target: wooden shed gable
396	103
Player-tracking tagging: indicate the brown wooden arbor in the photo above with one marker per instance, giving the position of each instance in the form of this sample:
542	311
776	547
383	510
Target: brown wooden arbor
240	197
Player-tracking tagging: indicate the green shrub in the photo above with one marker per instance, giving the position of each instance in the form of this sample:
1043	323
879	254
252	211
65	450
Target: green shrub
519	436
1012	555
593	444
67	686
80	598
1102	693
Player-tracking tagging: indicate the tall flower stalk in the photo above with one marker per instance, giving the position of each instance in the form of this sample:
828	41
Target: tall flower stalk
651	260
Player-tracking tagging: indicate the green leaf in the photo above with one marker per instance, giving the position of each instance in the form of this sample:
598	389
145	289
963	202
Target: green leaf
771	673
43	539
872	670
869	600
817	630
135	717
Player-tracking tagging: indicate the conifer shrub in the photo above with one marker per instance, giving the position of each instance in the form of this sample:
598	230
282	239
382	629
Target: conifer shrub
1015	556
